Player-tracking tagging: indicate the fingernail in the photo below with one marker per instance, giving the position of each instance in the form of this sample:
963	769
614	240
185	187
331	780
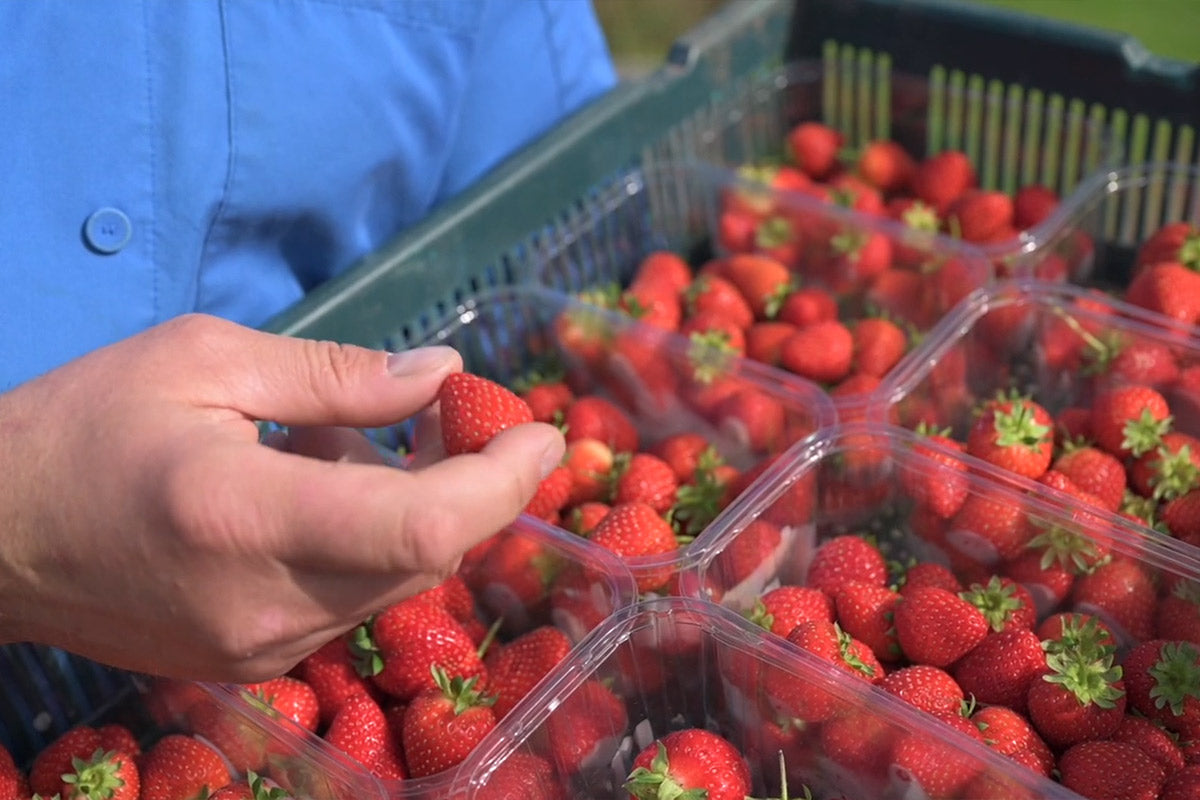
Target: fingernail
552	456
420	360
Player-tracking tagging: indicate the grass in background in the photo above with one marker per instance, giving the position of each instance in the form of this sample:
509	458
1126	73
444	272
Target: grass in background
640	32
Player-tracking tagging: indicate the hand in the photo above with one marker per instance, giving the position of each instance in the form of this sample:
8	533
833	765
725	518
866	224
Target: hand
145	526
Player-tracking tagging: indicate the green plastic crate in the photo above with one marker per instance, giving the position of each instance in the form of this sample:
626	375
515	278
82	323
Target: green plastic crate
1058	79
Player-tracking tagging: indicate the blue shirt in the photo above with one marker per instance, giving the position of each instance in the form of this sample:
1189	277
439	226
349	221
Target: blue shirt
226	156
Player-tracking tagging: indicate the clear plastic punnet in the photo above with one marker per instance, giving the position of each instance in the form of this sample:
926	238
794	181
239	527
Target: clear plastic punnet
933	577
679	664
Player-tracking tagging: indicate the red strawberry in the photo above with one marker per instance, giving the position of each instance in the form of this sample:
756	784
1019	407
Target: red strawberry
860	256
858	740
56	760
644	478
1130	420
941	767
764	340
942	178
443	725
360	729
1000	669
474	409
289	697
850	191
1121	593
1178	614
717	296
1181	517
105	775
515	667
14	783
683	452
990	525
663	267
879	344
689	762
407	639
827	641
978	216
1174	241
523	776
746	552
886	165
1167	288
931	689
1003	602
181	767
929	573
843	559
936	478
1069	630
658	305
1008	732
1095	471
1183	784
1140	361
762	280
636	530
1080	697
1152	739
1032	204
814	148
1169	470
589	462
594	417
864	611
753	418
784	607
936	627
546	398
808	305
1088	768
1013	434
822	352
586	727
1163	677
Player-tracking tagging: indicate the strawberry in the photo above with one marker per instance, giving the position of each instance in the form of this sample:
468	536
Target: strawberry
784	607
443	725
943	178
762	280
822	352
57	759
753	545
936	627
523	776
977	216
551	496
474	409
1152	739
1130	420
737	229
643	478
931	689
1032	204
360	729
692	762
940	766
636	530
14	783
1178	613
513	579
1169	470
764	340
1080	697
657	305
290	698
886	165
1122	594
753	418
935	478
1088	769
1003	602
579	728
589	463
1095	471
929	573
1183	784
843	559
594	417
1174	241
879	344
991	525
1167	288
405	640
1080	633
1181	517
859	256
718	296
1000	669
807	305
515	667
683	452
1015	434
814	148
663	267
181	767
105	775
1164	683
1139	361
1008	732
864	611
546	397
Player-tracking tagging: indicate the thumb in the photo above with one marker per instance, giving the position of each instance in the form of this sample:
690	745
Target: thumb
296	381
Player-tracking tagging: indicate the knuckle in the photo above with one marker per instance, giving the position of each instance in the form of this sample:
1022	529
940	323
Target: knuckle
332	369
428	532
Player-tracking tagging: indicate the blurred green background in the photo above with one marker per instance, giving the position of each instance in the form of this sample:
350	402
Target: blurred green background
641	31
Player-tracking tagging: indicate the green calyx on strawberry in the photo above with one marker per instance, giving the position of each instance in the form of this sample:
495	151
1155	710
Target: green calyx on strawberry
848	243
921	217
364	652
710	355
1189	252
98	777
1081	638
698	503
1069	549
849	654
996	600
1145	433
1092	680
1176	676
462	693
1144	508
261	790
655	782
1175	473
1017	426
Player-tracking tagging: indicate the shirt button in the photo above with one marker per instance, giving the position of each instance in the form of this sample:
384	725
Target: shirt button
107	230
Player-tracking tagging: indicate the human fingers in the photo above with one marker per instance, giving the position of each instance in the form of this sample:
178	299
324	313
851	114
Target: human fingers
427	447
333	444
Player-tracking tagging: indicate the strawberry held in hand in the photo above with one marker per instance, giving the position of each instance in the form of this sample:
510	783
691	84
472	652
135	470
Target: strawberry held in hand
690	763
475	409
